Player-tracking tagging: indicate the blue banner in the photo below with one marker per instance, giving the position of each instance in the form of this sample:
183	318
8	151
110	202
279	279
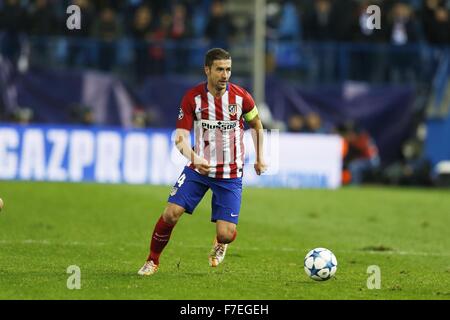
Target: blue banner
106	155
117	155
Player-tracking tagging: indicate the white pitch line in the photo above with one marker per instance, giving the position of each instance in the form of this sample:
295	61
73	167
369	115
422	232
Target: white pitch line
181	244
401	253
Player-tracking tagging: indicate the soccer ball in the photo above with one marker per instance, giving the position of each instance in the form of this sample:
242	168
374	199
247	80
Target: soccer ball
320	264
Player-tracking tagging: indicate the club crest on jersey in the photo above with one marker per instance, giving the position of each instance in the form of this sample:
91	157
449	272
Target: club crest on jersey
232	109
180	114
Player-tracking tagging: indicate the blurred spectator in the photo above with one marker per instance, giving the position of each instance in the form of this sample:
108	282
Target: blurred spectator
149	35
360	154
22	115
82	114
180	27
142	28
158	48
289	27
436	25
158	7
12	24
219	28
314	124
296	123
311	123
273	14
363	33
139	118
284	29
343	16
89	15
402	30
401	25
368	62
42	19
436	22
43	22
145	117
107	30
79	50
412	169
318	25
180	31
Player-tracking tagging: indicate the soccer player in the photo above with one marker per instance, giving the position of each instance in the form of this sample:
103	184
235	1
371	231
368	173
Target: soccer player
215	110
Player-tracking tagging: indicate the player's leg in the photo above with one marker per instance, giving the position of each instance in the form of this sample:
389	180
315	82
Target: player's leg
184	197
226	203
160	237
163	229
225	234
225	231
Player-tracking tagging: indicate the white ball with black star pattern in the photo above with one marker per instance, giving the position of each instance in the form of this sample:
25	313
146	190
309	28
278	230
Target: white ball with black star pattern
320	264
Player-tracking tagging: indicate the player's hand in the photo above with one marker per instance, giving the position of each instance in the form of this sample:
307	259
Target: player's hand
203	166
260	167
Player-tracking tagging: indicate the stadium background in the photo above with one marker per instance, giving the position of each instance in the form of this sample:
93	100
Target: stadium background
385	92
392	82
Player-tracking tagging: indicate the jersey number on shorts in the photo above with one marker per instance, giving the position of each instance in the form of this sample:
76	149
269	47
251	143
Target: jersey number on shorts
181	180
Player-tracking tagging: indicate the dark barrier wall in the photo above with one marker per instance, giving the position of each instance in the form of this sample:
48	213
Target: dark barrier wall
384	111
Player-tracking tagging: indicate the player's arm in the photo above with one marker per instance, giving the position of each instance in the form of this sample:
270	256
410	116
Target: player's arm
255	124
183	138
183	144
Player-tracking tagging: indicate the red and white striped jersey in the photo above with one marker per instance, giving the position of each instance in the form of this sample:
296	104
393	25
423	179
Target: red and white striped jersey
218	127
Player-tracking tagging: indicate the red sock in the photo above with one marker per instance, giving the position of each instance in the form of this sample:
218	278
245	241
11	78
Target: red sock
160	238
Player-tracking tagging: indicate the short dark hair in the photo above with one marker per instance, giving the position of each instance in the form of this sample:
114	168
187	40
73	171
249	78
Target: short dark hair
216	54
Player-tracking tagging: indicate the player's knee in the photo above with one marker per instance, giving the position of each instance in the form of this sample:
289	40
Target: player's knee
170	217
227	236
172	214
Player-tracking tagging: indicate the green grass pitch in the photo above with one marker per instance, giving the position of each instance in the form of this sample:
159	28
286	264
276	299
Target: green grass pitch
105	231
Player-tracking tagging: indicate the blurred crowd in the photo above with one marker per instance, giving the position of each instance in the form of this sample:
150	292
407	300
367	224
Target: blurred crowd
154	25
360	156
342	20
158	31
361	162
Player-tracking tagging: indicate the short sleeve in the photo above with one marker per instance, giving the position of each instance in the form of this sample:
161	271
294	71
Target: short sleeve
185	114
247	103
249	109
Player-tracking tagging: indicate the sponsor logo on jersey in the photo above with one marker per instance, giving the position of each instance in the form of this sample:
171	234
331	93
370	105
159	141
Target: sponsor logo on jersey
221	125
